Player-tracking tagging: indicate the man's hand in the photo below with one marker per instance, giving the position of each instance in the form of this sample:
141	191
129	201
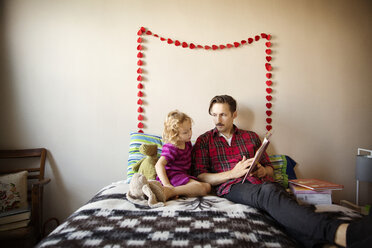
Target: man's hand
241	168
262	171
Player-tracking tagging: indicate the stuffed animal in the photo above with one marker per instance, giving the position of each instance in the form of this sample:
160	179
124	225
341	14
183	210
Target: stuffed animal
146	166
145	192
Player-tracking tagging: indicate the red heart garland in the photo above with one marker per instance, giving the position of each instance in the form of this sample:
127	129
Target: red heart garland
250	40
140	131
269	105
139	78
140	94
143	29
140	117
156	35
162	39
257	38
269	120
140	110
268	51
269	98
269	112
207	47
139	40
184	45
140	86
268	58
139	102
269	82
139	47
269	90
268	37
222	46
140	125
236	44
268	67
149	32
268	75
139	71
243	42
139	32
177	43
229	45
268	127
199	46
214	47
139	55
139	62
170	41
268	44
263	35
192	46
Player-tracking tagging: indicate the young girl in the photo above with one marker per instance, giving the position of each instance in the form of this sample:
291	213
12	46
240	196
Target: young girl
175	160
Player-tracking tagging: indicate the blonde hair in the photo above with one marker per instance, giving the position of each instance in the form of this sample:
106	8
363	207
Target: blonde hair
171	126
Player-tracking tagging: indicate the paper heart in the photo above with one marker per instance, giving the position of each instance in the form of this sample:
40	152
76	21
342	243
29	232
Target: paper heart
250	40
140	86
268	51
170	41
177	43
139	71
139	62
156	35
140	110
269	82
214	47
269	105
229	45
257	38
268	44
268	75
139	102
269	37
140	131
269	90
269	98
143	29
139	55
268	127
199	46
263	35
140	117
139	40
243	42
149	32
162	39
192	46
207	47
139	78
222	47
268	67
140	125
269	112
184	45
268	58
139	32
139	47
140	94
269	120
236	44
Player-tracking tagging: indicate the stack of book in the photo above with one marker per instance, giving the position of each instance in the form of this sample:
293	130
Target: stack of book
14	219
313	191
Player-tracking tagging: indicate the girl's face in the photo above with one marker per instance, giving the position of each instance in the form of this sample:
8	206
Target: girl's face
185	132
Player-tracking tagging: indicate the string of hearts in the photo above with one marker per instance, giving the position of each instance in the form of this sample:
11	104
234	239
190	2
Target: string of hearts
140	55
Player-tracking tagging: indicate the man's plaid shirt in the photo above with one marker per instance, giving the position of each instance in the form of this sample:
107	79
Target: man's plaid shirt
212	154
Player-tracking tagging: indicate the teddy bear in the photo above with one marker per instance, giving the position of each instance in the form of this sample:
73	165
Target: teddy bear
146	166
145	192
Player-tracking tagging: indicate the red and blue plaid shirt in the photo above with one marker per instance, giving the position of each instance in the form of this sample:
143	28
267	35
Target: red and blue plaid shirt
212	154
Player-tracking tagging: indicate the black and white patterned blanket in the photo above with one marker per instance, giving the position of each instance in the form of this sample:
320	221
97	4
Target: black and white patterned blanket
110	220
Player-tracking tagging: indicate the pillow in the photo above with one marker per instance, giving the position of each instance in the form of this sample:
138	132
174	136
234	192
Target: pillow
283	168
13	191
136	140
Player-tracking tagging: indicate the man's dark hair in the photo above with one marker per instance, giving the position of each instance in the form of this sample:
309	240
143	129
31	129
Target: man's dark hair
223	99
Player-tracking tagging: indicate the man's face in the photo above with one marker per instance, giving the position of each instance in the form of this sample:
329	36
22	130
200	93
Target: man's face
222	117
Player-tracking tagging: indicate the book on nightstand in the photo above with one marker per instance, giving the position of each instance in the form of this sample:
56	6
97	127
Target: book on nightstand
316	184
307	196
13	219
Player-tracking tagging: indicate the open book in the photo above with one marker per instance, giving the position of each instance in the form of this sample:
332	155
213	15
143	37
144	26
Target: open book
258	155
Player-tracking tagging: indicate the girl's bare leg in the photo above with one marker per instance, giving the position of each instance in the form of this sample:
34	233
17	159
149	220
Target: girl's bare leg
192	188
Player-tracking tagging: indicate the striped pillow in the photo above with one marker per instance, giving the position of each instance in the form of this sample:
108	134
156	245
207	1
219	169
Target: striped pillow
283	168
136	140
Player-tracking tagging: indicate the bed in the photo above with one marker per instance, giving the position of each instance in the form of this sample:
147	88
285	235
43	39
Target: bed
109	219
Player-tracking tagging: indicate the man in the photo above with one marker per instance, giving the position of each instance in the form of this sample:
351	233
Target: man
222	157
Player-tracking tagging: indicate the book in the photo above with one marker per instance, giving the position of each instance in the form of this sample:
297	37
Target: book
316	184
14	215
14	225
259	153
308	196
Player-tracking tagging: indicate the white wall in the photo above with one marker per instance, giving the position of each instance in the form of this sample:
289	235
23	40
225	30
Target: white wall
68	82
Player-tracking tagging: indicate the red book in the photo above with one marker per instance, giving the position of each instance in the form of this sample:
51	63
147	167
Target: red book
316	184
